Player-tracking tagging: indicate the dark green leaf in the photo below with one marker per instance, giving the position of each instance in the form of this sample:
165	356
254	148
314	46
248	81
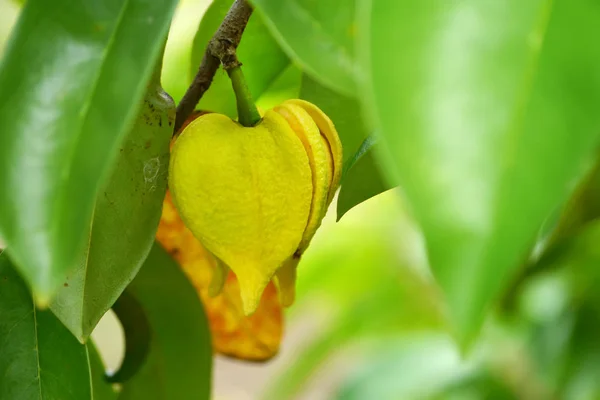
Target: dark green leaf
489	113
362	178
137	336
263	59
72	77
583	367
102	389
318	35
39	358
179	363
582	208
345	112
125	219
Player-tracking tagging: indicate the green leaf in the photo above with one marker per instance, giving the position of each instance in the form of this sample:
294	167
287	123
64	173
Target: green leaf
344	111
285	86
583	366
362	178
137	336
262	58
417	367
102	389
318	35
75	72
582	208
180	358
39	358
488	114
388	299
126	217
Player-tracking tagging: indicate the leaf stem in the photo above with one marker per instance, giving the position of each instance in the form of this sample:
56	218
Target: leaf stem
248	114
220	49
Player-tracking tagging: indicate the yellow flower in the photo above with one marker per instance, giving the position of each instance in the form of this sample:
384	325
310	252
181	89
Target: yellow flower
255	196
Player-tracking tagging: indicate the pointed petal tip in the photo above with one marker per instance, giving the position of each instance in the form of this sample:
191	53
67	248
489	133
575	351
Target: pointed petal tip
285	280
252	286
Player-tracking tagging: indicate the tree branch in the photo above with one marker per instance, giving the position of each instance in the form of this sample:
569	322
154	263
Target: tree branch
220	50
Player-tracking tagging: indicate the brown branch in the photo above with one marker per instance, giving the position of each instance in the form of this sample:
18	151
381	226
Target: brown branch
220	50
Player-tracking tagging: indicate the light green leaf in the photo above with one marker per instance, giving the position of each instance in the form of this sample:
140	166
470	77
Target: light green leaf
413	367
262	58
488	114
72	75
318	35
39	358
179	363
388	299
126	217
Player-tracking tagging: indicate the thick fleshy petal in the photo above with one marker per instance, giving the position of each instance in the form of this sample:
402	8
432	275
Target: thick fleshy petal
256	337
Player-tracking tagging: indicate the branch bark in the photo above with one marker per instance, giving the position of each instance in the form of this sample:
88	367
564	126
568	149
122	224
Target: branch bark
220	50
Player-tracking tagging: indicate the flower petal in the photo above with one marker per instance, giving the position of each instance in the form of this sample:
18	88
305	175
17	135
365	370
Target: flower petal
256	337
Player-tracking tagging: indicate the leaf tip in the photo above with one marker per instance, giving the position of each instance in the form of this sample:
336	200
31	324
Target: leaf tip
42	300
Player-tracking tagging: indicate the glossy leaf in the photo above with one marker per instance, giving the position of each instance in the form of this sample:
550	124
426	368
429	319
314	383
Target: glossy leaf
488	113
318	35
125	219
39	358
362	178
179	362
256	337
72	76
262	58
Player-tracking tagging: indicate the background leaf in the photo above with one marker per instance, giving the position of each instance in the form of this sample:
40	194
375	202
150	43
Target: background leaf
264	61
318	35
365	294
344	111
138	336
418	367
102	389
286	86
74	73
362	178
39	358
125	219
179	362
488	113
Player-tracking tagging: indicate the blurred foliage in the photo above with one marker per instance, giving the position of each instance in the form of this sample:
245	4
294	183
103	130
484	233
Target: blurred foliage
474	280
